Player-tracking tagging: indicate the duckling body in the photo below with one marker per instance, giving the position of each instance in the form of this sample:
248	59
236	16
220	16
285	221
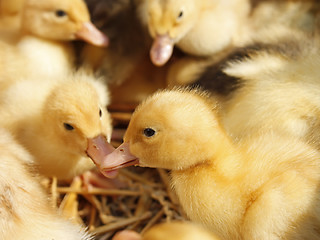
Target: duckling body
57	120
264	187
25	210
271	84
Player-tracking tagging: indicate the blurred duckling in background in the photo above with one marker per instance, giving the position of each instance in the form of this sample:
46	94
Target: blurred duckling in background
58	120
271	84
264	187
169	231
43	40
199	28
125	65
25	210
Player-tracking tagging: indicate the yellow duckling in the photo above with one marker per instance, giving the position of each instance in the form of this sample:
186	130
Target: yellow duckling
265	187
271	84
199	28
58	121
46	29
24	205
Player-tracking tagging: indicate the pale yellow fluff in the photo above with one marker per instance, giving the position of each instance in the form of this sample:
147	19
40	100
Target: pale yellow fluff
279	89
25	209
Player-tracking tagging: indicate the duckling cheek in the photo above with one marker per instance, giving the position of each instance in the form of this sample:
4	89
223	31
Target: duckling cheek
92	35
161	49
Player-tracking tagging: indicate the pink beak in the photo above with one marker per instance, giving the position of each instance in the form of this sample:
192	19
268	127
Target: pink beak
161	50
97	149
92	35
119	158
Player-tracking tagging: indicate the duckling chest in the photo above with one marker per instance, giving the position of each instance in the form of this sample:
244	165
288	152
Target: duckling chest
46	57
210	202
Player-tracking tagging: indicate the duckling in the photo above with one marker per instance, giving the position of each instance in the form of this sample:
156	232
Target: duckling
271	84
169	230
47	27
58	121
25	210
264	187
199	28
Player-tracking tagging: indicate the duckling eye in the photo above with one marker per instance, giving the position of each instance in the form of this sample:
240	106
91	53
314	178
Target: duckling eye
100	113
61	13
149	132
68	126
180	15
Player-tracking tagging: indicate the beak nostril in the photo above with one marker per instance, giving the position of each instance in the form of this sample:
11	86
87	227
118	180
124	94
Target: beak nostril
95	146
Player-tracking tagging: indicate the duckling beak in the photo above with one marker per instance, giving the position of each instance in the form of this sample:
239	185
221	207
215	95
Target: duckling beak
92	35
161	49
98	147
119	158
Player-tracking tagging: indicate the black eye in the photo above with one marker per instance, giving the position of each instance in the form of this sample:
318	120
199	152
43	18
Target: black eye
149	132
61	13
68	127
180	15
100	113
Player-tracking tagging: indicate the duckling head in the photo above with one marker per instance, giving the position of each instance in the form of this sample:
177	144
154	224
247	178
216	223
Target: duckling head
60	20
76	118
174	130
168	21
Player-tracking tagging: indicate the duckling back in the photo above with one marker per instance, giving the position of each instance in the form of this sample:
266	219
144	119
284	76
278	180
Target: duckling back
281	94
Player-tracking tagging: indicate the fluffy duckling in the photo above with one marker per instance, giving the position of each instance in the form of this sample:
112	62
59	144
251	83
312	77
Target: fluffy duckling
271	84
24	206
264	187
58	121
199	28
46	29
170	230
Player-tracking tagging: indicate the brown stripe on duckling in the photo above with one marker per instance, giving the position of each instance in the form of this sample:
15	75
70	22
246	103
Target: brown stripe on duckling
215	80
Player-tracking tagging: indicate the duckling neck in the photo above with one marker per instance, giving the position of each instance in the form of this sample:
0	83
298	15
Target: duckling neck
49	57
208	191
224	159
